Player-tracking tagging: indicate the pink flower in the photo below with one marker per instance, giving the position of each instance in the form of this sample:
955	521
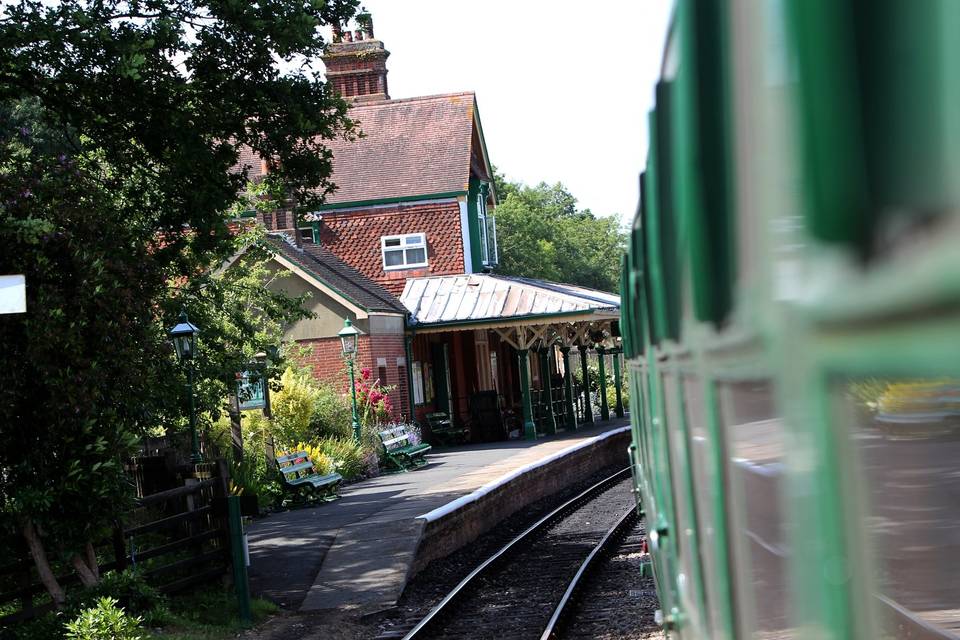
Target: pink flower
365	373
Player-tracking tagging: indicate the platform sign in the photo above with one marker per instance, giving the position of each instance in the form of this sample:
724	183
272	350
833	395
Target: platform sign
13	294
251	390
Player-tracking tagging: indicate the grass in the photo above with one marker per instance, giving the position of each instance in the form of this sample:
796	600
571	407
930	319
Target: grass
208	614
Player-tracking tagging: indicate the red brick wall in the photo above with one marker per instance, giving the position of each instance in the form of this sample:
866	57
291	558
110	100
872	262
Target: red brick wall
355	235
326	360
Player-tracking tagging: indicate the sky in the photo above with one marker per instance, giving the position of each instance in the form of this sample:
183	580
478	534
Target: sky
562	87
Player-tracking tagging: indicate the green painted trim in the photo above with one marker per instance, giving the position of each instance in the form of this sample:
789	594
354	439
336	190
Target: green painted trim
473	226
550	421
487	321
248	213
529	428
397	200
585	376
602	379
483	147
408	353
618	407
571	413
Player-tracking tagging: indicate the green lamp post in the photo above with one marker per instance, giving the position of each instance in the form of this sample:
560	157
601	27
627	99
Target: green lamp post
348	341
184	336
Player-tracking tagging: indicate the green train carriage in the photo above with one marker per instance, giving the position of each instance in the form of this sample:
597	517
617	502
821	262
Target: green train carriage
791	320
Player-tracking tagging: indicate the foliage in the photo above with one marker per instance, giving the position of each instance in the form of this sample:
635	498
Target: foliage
541	233
105	621
256	476
373	400
349	460
331	413
119	125
292	408
127	588
209	614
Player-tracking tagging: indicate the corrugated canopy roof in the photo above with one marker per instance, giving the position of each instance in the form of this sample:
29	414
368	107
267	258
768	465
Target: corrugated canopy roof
486	298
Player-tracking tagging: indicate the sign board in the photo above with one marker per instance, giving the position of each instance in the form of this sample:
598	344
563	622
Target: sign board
13	294
251	390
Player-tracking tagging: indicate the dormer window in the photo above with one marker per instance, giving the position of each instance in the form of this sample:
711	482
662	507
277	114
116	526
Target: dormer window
404	252
488	230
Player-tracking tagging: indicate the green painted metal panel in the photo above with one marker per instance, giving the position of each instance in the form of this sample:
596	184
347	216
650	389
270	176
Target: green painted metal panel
667	229
704	162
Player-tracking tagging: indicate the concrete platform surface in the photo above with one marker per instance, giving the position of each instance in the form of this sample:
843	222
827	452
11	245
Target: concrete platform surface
358	551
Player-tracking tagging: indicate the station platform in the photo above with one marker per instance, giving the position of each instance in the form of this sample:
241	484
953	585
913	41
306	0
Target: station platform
359	551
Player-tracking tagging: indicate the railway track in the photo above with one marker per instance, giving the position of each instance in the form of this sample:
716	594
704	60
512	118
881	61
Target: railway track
515	592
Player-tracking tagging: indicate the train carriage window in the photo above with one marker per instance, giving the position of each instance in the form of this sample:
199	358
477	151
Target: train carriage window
707	483
879	95
755	436
905	434
690	576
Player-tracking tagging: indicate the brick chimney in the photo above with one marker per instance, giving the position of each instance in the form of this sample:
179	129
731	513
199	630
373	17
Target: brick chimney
357	63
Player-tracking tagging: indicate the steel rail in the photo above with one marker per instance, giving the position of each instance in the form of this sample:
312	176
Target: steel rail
433	617
553	627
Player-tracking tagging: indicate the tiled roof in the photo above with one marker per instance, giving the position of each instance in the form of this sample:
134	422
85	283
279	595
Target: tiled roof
411	147
486	297
336	274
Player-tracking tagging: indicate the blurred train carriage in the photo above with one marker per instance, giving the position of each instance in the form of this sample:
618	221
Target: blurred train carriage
791	310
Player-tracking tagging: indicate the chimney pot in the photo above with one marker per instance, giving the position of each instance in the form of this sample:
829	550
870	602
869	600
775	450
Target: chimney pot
358	35
348	36
337	32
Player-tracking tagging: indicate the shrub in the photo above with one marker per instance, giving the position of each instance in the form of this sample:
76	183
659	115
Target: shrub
331	414
348	459
128	589
105	621
292	408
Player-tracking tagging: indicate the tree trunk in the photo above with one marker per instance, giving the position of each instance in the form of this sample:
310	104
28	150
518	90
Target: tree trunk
39	555
92	561
86	575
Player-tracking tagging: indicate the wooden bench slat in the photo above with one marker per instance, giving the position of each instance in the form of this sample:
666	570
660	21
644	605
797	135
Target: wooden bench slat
296	467
291	457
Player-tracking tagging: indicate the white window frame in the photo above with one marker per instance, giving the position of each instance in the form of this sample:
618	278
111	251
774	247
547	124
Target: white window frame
403	247
488	245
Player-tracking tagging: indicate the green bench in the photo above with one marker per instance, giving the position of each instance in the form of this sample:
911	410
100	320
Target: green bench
398	450
442	430
300	477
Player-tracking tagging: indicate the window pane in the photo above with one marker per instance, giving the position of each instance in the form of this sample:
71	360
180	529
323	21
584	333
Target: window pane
907	436
393	258
416	238
755	455
416	256
391	242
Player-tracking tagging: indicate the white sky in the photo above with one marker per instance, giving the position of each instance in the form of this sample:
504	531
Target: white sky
563	87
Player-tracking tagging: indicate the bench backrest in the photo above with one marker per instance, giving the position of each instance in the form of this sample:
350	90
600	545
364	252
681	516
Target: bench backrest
438	420
395	438
295	465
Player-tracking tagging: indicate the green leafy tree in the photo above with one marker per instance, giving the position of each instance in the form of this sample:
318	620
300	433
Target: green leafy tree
542	233
120	124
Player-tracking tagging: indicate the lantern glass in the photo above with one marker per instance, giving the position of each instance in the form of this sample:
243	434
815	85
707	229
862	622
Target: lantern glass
184	337
349	344
184	346
348	338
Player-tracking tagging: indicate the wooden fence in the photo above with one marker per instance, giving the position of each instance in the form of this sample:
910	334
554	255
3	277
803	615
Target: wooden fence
172	536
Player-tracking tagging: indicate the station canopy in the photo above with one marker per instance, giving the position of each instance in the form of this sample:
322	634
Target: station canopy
484	300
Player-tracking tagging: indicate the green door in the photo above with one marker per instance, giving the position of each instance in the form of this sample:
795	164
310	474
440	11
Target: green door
441	378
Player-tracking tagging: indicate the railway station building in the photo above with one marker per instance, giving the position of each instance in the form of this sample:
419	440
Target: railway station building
406	248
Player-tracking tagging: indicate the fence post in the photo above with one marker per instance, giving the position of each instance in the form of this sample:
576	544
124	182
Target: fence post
240	583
